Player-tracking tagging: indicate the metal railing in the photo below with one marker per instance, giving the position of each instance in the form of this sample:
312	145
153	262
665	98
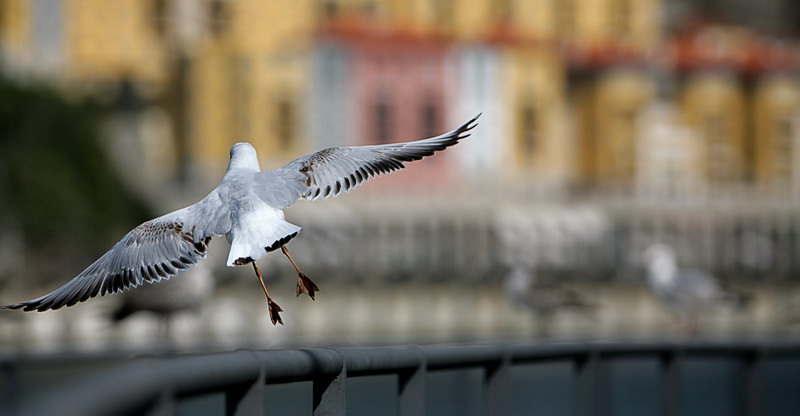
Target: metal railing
155	385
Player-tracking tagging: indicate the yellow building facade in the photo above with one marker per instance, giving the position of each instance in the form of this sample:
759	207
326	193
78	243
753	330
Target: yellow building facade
248	79
535	103
776	108
714	106
575	76
110	40
620	97
94	41
15	31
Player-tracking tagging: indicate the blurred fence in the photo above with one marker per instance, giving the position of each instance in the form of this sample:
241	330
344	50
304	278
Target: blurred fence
159	386
429	270
594	239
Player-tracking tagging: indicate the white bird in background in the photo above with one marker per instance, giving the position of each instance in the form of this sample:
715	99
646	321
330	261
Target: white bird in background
247	208
522	289
684	292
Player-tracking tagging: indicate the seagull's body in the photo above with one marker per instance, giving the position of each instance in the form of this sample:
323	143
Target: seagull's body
522	289
680	290
684	292
247	208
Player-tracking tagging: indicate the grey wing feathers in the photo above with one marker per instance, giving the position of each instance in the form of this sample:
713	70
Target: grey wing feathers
155	250
331	171
280	188
698	284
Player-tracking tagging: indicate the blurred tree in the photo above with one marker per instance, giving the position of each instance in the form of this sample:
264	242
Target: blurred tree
58	190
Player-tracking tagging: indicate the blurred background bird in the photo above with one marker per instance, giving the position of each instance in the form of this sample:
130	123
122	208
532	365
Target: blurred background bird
544	300
604	130
686	293
186	292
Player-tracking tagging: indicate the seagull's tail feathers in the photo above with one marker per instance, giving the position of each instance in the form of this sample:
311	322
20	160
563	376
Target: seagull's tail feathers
254	242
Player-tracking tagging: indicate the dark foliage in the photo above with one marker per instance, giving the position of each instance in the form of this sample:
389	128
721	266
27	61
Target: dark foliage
56	183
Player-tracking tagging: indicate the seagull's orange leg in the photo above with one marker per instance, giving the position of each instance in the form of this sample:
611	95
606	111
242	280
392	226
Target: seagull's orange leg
304	284
274	309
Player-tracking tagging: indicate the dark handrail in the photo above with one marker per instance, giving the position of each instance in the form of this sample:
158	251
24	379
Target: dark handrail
155	383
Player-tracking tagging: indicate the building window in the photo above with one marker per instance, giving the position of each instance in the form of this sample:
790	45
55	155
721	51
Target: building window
48	30
159	17
565	16
3	12
219	17
502	10
383	120
719	153
373	9
285	113
783	148
328	10
430	118
624	156
528	130
444	13
620	18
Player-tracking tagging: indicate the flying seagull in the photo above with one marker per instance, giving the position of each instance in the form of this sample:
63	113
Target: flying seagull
247	208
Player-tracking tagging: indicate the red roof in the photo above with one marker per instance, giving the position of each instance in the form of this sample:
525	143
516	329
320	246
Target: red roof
713	46
698	47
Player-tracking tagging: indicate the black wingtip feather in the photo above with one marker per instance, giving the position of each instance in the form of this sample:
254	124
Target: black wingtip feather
169	269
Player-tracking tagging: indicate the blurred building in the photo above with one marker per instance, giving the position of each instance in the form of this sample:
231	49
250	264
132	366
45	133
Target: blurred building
563	84
590	98
607	125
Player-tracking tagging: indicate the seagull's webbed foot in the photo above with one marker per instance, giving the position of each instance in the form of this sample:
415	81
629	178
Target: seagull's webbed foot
306	285
274	309
274	312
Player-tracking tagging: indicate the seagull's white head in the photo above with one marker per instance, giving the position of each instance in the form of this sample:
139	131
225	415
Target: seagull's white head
659	252
661	263
519	280
243	156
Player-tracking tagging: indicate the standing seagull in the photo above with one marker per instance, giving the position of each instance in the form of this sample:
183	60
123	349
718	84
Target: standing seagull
544	300
684	292
247	208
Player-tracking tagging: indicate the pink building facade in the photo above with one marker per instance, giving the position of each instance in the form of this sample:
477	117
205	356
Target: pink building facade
383	89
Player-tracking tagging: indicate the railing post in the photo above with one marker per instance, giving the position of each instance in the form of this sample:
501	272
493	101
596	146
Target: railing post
753	382
496	386
247	399
671	381
411	389
588	383
10	372
330	392
164	405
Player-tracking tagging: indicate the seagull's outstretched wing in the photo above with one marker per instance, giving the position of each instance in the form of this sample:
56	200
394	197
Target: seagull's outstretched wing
155	250
336	169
